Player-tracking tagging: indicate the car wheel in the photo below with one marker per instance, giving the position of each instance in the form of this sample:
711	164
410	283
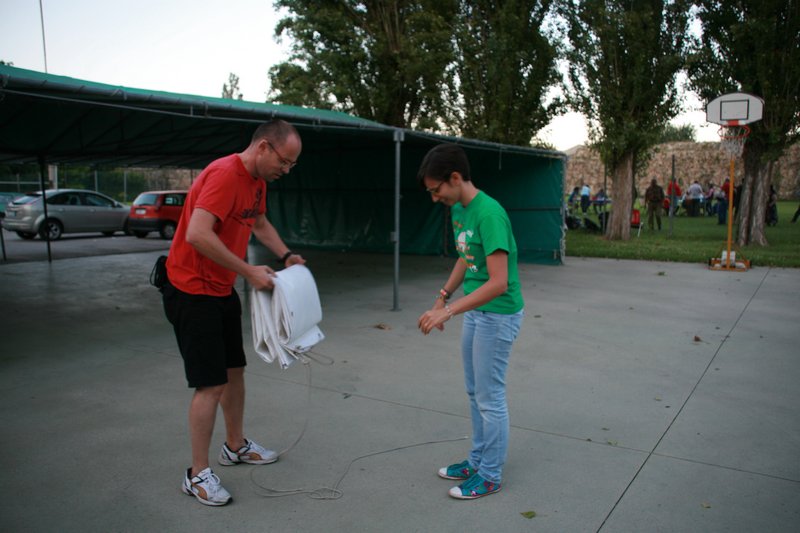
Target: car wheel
141	234
53	228
26	235
167	230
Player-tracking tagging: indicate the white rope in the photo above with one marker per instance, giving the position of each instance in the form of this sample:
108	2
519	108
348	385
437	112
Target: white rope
334	493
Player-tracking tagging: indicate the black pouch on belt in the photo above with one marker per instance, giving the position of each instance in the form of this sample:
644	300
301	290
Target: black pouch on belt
158	276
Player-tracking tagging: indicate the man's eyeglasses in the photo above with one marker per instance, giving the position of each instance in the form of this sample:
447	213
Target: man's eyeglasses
435	190
285	163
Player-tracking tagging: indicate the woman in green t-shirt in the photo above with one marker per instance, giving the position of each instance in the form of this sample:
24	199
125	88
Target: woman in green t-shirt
493	310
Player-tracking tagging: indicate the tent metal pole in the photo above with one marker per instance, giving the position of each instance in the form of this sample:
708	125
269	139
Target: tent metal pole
398	138
46	234
3	241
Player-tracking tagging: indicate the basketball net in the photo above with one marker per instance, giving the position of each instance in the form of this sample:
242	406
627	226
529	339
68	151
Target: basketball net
732	139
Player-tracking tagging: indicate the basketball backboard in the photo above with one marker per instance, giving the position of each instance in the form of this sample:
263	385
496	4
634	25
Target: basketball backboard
735	109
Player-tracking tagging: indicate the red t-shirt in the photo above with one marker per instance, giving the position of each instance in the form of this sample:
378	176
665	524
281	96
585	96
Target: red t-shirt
230	193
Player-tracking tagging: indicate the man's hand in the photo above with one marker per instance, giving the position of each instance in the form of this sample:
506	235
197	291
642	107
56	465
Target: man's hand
260	277
295	259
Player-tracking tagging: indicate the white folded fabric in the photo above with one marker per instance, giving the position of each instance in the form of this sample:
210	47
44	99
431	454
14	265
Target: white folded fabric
285	319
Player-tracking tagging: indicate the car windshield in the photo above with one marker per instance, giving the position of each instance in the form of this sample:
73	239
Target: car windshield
28	198
146	199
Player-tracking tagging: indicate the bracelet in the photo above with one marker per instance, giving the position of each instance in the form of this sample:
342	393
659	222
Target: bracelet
445	294
449	311
286	256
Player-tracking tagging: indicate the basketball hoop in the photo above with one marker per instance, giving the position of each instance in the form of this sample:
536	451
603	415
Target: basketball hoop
732	138
733	112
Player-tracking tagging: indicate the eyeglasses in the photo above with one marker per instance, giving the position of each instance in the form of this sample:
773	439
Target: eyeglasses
285	163
435	190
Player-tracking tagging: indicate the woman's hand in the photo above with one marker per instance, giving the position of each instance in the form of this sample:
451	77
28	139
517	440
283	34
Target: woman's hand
435	318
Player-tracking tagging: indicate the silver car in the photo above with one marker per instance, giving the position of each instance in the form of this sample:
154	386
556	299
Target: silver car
68	211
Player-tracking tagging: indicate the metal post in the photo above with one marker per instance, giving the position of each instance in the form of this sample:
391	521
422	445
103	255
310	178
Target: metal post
3	242
399	136
672	198
42	172
44	43
671	195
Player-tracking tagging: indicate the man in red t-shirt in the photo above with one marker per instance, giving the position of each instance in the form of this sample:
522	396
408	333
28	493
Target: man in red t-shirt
673	192
225	205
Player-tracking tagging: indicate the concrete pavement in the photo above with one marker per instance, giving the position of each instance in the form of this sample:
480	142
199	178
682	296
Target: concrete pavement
644	397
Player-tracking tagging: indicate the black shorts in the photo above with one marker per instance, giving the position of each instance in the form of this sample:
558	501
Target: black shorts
209	334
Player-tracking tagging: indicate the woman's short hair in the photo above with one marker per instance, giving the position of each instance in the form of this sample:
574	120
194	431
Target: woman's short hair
441	161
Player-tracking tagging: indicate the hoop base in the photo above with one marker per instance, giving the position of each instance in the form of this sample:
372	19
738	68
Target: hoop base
724	263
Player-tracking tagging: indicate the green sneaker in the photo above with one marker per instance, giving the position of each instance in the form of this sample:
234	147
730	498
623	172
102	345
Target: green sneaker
474	487
461	470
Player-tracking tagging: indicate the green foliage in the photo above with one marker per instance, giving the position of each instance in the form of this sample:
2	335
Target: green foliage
379	60
504	68
231	90
623	62
670	133
624	57
475	68
754	47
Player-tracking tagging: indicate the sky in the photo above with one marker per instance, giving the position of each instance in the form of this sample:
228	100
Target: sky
188	47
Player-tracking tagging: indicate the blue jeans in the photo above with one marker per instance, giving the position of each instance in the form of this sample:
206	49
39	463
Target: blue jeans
722	213
485	347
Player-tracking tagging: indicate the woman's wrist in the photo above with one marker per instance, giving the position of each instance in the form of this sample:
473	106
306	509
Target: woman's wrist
443	295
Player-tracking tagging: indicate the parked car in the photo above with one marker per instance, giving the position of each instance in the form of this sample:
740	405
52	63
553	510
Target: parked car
68	211
5	199
156	211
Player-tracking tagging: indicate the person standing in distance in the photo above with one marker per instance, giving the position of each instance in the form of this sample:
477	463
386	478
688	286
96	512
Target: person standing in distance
654	199
493	309
225	205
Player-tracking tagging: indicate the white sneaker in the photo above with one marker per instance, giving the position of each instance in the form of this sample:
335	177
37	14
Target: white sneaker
206	487
250	453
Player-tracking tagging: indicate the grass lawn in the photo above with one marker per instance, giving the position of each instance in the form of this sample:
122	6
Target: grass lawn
694	240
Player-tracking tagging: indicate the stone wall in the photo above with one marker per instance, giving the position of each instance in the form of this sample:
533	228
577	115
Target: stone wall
702	161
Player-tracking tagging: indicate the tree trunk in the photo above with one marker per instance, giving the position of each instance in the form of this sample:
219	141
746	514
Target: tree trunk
619	225
752	211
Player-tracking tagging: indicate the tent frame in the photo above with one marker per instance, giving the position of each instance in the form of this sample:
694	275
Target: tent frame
52	119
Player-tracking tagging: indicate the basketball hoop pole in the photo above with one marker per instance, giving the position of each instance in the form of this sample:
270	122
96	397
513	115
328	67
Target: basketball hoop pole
730	213
732	138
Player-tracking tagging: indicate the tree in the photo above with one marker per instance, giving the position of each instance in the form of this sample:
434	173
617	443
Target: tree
231	89
504	68
753	47
624	56
383	60
670	134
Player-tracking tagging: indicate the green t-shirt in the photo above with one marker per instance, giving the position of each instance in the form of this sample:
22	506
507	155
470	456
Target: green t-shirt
480	229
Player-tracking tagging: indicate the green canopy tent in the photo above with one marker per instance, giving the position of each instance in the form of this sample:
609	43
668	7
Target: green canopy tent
354	189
